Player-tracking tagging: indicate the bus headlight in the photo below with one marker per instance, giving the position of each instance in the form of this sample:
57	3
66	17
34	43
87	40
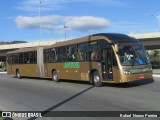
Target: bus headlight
126	72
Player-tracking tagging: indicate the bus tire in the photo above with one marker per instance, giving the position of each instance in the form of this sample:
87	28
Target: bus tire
18	74
96	79
55	76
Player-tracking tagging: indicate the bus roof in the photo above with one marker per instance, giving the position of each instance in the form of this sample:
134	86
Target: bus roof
23	50
69	42
112	37
116	37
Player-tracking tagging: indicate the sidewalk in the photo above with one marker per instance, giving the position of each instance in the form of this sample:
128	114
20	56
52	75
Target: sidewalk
3	72
156	72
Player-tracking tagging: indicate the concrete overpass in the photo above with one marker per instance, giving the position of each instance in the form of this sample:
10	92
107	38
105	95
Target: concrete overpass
149	40
9	47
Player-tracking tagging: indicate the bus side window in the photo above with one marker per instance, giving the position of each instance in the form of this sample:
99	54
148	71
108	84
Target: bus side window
50	55
33	57
94	53
15	58
82	51
62	54
72	51
21	58
26	57
9	59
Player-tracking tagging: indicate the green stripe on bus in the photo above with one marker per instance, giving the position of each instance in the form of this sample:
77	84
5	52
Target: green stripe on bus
71	65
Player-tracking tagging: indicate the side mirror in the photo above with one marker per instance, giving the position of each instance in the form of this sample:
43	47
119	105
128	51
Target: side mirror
116	48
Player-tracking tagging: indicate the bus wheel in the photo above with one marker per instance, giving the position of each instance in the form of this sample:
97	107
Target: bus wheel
55	76
18	74
96	79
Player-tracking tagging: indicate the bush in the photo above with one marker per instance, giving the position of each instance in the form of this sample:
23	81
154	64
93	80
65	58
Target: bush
155	59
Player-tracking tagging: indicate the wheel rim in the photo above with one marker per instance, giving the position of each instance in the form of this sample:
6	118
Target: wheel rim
55	77
96	78
18	74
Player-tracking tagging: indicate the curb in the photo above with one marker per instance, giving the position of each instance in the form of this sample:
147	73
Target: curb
3	72
156	75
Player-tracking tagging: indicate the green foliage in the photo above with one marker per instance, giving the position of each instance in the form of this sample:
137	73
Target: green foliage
1	118
155	58
3	66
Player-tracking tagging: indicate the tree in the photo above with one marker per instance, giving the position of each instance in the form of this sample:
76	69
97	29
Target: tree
156	53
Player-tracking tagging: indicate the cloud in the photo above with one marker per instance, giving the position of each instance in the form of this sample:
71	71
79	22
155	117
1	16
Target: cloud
55	22
88	23
158	17
50	5
46	22
43	5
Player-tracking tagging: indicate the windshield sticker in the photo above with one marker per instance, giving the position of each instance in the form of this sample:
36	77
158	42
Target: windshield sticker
140	61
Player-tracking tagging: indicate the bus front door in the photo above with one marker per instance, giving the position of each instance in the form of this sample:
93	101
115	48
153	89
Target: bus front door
107	70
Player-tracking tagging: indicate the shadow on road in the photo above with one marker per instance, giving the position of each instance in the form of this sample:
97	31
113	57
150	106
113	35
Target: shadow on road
119	85
130	84
61	103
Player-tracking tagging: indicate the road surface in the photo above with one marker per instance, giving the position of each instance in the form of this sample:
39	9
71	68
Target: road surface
30	94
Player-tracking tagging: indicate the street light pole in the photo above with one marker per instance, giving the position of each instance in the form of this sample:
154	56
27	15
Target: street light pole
65	27
70	24
40	19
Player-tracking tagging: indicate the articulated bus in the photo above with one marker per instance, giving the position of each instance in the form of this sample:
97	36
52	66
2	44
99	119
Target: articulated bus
97	58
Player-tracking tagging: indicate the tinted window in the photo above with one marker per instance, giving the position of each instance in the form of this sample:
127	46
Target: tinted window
23	58
62	54
94	51
82	52
71	53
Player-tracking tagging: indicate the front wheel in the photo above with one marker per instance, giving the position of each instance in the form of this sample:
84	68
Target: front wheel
96	79
55	76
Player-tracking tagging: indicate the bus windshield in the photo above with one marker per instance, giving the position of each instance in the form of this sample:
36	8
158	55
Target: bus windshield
133	53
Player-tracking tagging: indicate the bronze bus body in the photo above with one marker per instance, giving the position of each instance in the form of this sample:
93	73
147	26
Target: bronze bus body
107	64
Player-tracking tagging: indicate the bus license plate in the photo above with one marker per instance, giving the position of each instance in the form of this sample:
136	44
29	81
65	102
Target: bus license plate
141	77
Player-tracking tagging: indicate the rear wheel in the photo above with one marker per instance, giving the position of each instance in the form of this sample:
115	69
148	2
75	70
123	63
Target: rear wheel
55	76
96	79
18	74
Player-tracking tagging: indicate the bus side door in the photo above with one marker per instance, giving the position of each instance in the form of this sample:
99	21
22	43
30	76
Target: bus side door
107	70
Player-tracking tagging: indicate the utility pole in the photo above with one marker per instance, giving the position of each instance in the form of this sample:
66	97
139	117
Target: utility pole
68	27
40	19
65	27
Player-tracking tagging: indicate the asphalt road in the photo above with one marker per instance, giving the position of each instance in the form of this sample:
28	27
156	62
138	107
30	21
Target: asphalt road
30	94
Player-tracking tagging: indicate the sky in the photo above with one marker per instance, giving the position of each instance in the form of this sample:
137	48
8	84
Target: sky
40	20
